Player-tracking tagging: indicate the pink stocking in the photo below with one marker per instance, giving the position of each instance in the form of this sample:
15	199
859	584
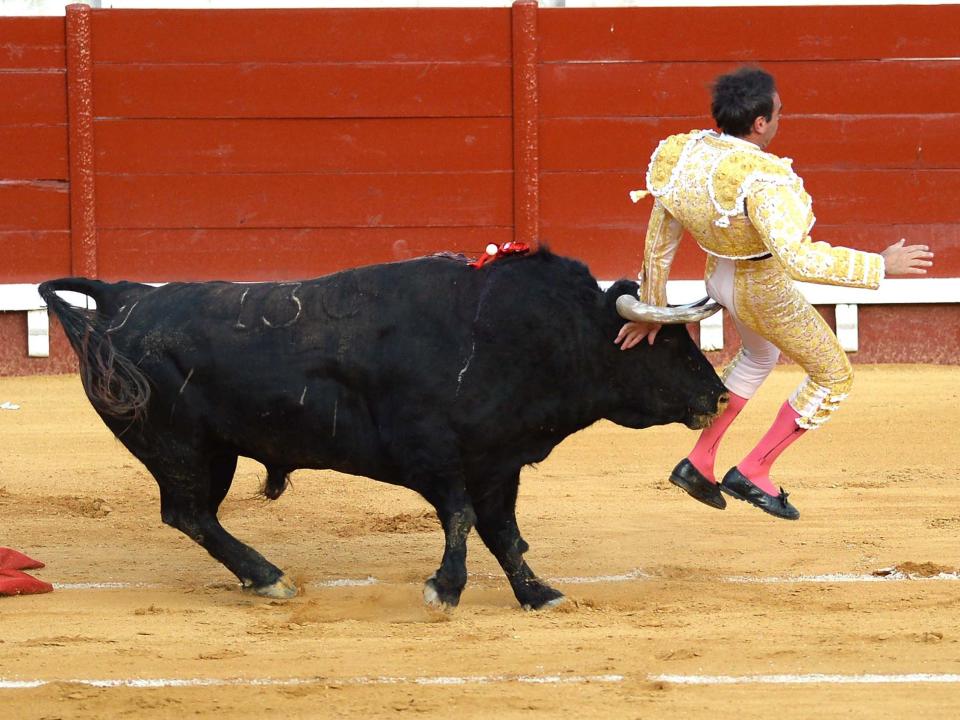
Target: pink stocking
704	453
784	431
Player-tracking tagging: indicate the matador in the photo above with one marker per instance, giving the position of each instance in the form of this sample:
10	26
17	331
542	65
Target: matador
748	210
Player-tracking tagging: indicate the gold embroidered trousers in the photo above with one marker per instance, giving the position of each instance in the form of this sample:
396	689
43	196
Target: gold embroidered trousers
771	314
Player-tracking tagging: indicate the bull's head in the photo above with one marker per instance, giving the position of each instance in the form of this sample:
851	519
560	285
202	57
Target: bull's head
671	380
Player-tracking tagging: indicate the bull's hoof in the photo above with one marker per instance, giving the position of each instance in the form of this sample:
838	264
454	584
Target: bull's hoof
548	604
537	596
436	596
283	589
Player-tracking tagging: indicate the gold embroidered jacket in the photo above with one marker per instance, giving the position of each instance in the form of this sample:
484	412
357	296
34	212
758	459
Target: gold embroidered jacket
739	202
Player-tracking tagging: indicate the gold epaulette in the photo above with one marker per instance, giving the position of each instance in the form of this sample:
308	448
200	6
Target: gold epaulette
738	170
661	173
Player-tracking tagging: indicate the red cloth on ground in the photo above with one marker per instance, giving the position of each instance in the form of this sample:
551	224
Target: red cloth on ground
11	559
15	582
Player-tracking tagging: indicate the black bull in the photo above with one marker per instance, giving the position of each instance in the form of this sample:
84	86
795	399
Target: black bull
427	373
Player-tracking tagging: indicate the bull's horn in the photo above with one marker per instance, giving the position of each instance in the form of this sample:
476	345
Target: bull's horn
632	309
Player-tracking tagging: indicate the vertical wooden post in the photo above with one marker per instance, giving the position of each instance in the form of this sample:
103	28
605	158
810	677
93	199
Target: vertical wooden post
526	117
83	226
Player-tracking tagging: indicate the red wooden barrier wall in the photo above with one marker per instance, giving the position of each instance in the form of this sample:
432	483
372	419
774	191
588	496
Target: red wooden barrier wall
34	199
276	144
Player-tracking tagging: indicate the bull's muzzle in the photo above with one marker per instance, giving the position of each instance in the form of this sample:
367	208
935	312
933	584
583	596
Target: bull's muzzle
630	308
699	421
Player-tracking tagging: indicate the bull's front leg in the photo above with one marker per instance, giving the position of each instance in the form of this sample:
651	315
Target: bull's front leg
426	454
444	587
497	526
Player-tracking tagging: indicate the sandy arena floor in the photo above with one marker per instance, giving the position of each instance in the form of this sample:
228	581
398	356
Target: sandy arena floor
664	592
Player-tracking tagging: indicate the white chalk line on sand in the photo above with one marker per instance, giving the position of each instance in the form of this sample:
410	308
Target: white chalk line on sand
841	578
630	576
445	680
103	586
635	574
346	582
339	582
809	679
6	684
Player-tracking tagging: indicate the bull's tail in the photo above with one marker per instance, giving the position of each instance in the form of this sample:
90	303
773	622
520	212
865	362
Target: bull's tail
114	384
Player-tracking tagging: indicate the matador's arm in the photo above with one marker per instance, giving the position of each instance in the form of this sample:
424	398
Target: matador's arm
783	218
663	238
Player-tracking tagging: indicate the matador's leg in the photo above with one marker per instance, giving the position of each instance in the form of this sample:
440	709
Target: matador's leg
742	376
767	302
694	474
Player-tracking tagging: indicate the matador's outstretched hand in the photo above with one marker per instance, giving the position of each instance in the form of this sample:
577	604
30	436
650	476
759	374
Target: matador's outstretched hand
901	259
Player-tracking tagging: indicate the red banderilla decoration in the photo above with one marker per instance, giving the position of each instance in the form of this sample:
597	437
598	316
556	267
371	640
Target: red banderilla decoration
495	251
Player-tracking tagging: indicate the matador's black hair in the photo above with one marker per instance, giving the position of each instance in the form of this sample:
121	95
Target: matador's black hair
741	97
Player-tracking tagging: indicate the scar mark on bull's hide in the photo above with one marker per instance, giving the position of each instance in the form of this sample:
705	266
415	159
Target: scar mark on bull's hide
463	370
296	300
240	325
182	388
303	395
114	329
473	343
336	404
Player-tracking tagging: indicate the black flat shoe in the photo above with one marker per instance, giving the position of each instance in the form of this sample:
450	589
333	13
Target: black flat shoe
735	483
686	476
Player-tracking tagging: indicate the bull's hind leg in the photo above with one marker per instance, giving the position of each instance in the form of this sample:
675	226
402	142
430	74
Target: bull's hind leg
497	527
444	587
191	490
222	469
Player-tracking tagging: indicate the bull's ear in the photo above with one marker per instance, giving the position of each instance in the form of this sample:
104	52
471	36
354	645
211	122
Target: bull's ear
620	287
